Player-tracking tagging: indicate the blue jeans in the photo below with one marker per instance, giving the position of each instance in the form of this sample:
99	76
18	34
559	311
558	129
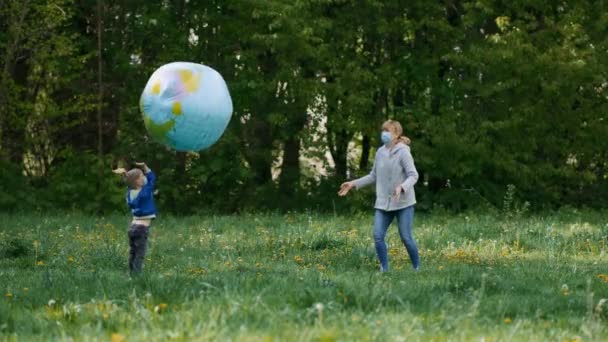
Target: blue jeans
405	220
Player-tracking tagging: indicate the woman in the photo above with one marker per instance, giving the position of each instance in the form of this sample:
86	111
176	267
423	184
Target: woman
394	174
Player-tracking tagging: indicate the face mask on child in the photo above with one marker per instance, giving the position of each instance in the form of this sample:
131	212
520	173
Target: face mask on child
386	137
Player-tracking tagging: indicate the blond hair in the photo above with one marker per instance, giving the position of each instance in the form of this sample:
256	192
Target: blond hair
132	176
395	127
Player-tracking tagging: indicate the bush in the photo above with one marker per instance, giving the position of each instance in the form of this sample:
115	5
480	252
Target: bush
15	190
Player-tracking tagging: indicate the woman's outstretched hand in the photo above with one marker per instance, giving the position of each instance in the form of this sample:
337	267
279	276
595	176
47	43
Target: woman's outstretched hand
345	188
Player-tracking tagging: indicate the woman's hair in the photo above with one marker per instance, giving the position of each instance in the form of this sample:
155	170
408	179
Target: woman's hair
132	176
395	127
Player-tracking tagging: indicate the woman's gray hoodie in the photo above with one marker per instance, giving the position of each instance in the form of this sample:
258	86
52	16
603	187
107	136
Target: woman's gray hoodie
392	167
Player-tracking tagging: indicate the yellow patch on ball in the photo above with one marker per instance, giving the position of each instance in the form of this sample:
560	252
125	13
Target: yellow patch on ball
177	108
156	88
190	80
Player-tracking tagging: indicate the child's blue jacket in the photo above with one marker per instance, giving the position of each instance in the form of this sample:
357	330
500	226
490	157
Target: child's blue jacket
143	203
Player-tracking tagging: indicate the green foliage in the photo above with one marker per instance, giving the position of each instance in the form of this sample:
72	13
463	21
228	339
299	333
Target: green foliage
15	190
70	186
491	93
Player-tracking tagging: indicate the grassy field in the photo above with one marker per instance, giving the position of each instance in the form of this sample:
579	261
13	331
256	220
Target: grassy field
302	277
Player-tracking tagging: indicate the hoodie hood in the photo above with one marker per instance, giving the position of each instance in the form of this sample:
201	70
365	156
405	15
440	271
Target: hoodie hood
400	146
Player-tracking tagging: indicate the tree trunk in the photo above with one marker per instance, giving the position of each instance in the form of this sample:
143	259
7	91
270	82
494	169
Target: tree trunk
258	132
13	72
289	180
13	135
365	148
259	153
341	155
180	168
436	88
100	168
179	10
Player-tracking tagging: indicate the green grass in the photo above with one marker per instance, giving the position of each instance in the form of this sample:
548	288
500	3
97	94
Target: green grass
305	277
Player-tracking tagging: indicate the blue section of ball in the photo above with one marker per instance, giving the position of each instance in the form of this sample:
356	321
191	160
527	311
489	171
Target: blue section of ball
186	106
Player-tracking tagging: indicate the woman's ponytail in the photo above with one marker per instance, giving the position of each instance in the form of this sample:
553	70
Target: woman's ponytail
405	140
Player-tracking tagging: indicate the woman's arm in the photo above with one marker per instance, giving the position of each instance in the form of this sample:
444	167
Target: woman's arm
366	180
411	174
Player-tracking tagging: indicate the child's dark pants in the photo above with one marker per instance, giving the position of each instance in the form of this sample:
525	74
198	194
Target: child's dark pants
138	241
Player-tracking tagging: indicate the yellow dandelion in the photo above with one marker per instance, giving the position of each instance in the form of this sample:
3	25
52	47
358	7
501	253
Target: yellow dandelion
603	277
321	267
8	295
197	270
162	306
25	289
574	339
441	267
298	259
40	263
71	259
116	337
507	320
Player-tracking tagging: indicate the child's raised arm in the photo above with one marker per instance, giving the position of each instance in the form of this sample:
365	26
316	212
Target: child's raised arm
143	167
148	188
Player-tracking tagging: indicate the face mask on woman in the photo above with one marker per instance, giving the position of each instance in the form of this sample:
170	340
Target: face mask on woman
386	137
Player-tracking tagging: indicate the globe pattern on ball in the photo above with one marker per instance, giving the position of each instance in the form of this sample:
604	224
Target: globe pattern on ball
186	106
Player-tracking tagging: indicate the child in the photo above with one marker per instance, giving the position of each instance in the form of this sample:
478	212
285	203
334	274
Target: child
394	174
140	199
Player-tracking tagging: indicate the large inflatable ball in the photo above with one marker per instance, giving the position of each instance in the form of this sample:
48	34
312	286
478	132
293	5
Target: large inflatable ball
186	106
